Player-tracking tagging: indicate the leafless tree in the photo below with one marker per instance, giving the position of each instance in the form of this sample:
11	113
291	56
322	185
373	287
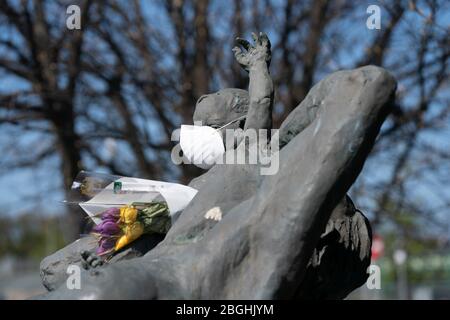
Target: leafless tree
134	71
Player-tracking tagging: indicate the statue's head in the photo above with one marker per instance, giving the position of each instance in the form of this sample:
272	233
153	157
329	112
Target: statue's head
217	109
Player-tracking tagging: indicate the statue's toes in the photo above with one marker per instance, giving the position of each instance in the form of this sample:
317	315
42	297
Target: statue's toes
90	260
96	263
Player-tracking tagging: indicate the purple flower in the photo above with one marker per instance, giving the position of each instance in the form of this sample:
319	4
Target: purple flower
107	228
112	214
105	245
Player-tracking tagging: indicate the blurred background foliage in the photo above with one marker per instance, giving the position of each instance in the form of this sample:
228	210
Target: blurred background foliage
37	236
107	98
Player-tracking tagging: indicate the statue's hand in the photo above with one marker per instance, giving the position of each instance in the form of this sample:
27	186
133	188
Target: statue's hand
253	55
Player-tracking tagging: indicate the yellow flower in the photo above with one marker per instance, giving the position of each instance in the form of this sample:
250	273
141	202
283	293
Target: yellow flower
128	214
121	242
132	232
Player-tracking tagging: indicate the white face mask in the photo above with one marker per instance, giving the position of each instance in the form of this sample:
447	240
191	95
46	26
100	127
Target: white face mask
203	145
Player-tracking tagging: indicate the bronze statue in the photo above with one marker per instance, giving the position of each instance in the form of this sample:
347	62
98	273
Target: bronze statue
293	235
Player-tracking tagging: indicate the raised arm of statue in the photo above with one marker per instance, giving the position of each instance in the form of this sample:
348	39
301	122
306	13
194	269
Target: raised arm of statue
256	60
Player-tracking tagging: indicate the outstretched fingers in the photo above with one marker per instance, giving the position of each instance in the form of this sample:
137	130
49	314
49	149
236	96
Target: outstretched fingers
265	42
256	39
238	54
246	54
244	43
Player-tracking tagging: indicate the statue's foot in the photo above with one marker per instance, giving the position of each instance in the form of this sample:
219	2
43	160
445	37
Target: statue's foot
90	260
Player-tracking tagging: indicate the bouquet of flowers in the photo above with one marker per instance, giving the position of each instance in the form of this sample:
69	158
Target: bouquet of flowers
121	226
125	208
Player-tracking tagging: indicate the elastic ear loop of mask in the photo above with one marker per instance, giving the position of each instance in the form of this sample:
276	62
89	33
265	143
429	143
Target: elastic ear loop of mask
232	121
